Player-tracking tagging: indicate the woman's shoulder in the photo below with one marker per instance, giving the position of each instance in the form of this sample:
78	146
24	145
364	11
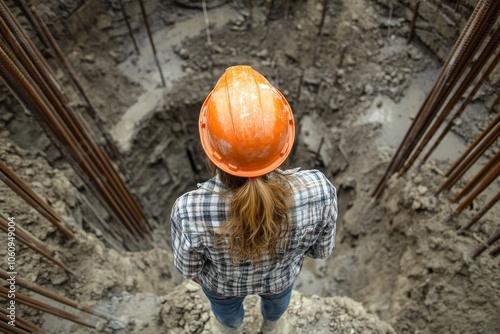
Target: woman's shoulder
313	183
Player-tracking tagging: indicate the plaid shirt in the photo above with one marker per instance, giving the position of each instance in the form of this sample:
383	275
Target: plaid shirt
313	219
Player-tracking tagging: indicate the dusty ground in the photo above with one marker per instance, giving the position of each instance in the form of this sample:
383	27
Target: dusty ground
396	256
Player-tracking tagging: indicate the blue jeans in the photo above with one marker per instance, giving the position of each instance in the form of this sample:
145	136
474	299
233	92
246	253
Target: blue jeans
229	310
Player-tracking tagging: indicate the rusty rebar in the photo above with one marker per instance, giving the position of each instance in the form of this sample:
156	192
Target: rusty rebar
462	107
479	176
129	27
54	296
71	131
85	136
110	144
10	329
485	245
38	98
150	36
34	244
23	190
23	323
483	184
487	137
29	15
320	32
481	212
36	304
457	58
413	20
23	233
209	40
465	83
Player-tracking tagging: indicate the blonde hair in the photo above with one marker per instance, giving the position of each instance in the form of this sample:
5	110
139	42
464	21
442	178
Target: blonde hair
258	216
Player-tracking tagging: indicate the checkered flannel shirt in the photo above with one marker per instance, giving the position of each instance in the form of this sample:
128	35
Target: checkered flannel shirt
195	214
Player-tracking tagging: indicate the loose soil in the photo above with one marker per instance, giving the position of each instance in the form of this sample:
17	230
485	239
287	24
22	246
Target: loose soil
398	266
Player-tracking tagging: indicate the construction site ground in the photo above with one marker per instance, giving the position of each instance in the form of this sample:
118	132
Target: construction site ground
399	265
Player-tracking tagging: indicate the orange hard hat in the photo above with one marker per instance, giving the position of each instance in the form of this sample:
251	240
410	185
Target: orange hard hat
246	125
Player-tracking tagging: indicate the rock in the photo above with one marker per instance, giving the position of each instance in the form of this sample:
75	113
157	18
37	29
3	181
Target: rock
29	172
116	56
58	279
47	183
333	105
104	21
183	53
422	189
368	89
263	54
90	58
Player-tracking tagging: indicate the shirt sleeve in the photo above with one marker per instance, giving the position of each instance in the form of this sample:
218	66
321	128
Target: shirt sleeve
326	240
187	257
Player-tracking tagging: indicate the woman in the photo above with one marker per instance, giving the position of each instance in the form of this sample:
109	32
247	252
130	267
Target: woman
247	229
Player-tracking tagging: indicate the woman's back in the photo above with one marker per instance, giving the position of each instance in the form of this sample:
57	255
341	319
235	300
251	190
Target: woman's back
198	215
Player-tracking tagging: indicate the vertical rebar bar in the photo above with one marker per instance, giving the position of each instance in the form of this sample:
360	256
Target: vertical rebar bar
209	41
148	29
129	27
413	20
320	32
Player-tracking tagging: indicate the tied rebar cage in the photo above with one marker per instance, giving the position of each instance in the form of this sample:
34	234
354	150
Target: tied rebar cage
472	59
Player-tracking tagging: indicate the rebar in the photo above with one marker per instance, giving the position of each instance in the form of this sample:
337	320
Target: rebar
209	40
36	304
54	296
485	245
110	144
22	323
29	77
29	15
479	176
481	212
466	53
483	184
34	243
487	137
462	107
30	95
129	28
150	36
320	32
22	189
413	20
484	16
10	329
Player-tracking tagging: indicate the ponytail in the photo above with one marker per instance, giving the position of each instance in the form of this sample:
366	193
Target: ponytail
258	215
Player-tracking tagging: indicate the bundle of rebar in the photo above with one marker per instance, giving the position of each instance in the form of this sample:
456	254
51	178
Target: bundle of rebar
469	64
32	81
